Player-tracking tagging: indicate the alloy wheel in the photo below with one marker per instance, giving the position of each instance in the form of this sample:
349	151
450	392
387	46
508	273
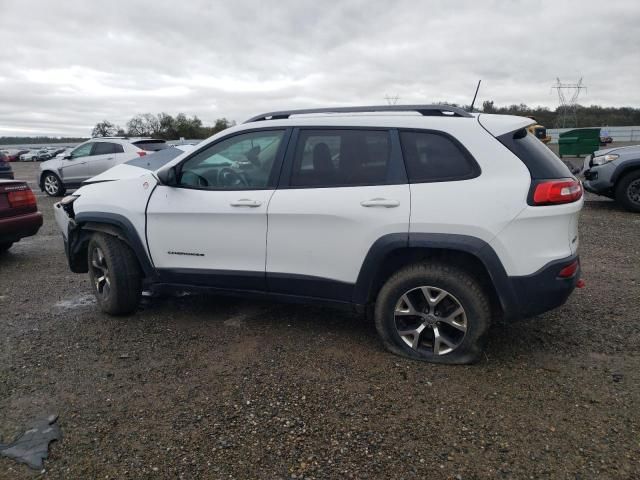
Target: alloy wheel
51	185
100	273
430	320
633	191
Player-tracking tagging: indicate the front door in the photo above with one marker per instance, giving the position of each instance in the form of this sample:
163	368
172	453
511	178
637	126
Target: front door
211	228
74	170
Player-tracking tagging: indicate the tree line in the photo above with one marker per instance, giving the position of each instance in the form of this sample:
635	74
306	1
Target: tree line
591	116
161	125
168	127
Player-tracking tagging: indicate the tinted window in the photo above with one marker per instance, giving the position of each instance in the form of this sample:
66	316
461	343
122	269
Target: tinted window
539	159
118	148
340	158
103	148
241	162
433	157
151	145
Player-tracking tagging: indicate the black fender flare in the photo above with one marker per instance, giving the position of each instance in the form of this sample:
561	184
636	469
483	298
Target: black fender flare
112	224
474	246
622	169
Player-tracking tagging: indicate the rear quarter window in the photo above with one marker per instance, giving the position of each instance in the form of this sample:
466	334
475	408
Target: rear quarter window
436	157
541	162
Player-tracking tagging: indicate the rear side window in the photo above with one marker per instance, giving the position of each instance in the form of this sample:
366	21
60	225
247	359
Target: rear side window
435	157
339	158
541	162
151	145
104	148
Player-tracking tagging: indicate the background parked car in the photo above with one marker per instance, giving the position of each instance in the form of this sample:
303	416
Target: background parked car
5	167
35	155
90	159
19	215
13	155
615	173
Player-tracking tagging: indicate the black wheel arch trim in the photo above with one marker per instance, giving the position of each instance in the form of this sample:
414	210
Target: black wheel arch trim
110	223
624	168
480	249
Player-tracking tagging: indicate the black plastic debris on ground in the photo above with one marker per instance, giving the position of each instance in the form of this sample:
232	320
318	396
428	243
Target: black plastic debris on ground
32	447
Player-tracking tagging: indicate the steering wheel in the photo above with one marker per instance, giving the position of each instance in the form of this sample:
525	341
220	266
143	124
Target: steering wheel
227	177
193	179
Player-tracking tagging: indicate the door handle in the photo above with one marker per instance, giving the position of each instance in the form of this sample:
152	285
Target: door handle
110	158
245	202
380	202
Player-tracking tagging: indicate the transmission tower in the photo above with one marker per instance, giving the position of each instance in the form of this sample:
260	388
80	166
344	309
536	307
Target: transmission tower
392	100
568	98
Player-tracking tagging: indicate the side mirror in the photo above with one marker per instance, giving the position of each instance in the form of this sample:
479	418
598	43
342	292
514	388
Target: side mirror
168	177
67	157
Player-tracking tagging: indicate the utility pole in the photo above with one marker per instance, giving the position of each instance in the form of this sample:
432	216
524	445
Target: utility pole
568	102
392	100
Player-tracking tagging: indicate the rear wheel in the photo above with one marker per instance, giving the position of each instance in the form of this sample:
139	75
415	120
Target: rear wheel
114	273
52	185
5	246
434	313
628	191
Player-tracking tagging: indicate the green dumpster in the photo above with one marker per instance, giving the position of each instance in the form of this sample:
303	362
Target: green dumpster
582	141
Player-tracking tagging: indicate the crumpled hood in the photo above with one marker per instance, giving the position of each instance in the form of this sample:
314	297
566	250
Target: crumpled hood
140	166
118	172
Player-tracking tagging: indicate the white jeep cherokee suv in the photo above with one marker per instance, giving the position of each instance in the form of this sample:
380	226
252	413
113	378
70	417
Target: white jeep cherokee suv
435	220
90	159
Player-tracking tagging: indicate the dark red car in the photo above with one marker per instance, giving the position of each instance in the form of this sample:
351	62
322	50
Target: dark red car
19	215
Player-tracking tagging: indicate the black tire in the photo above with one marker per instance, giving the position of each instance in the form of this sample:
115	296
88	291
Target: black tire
52	185
461	287
628	191
5	246
119	293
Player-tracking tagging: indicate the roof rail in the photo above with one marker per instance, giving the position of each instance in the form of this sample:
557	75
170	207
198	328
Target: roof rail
426	110
113	138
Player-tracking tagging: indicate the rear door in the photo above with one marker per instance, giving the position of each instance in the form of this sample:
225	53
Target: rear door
341	190
103	157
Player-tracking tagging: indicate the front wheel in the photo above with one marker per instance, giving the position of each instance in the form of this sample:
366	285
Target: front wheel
52	185
433	312
114	273
628	191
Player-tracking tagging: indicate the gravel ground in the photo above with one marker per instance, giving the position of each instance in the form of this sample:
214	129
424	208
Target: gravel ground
207	387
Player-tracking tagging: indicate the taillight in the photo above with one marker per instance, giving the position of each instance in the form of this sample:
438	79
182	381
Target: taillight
570	270
141	153
21	198
554	192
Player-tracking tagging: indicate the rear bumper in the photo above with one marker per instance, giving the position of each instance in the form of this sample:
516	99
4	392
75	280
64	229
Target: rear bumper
542	291
13	229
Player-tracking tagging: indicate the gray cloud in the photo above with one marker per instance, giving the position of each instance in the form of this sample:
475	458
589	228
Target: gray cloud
67	65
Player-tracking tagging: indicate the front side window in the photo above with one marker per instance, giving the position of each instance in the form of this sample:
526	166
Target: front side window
241	162
434	157
338	158
82	150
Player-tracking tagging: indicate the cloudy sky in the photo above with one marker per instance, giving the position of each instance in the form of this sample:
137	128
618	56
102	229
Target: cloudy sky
67	64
